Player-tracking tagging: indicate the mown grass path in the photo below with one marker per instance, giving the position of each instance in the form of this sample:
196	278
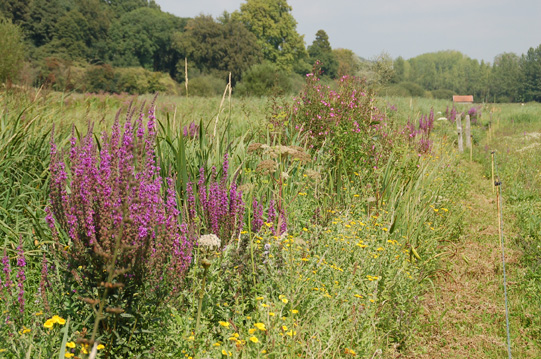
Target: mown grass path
464	316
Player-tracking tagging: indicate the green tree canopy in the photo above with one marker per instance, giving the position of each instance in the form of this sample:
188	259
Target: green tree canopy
530	66
142	37
348	62
11	50
218	48
273	24
321	50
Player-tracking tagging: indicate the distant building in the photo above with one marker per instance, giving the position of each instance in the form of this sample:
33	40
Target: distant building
463	99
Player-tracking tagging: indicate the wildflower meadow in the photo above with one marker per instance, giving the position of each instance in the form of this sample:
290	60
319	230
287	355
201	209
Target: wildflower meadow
313	226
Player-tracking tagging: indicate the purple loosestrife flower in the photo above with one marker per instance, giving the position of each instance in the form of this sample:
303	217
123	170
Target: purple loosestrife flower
221	208
257	221
118	185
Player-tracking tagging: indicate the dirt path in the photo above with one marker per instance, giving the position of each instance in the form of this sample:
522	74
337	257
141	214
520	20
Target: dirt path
464	317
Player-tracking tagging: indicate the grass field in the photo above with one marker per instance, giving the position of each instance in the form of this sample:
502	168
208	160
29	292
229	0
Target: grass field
319	255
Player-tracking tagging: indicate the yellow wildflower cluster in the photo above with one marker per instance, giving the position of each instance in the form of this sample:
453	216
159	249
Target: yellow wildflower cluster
54	320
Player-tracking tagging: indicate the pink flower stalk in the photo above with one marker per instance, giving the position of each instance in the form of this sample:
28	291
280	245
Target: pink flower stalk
221	208
118	186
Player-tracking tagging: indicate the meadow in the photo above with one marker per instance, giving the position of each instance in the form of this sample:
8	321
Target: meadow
312	227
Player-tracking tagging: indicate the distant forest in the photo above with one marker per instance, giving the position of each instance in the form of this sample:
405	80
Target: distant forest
132	46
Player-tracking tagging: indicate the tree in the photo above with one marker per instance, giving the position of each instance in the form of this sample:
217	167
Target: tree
218	48
273	24
142	37
505	77
43	16
348	62
15	10
530	67
11	50
321	50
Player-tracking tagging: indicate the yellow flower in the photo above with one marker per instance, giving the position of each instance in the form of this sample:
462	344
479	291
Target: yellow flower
100	346
59	320
271	314
70	345
252	330
294	311
224	324
254	339
48	324
291	333
260	326
68	355
284	328
216	345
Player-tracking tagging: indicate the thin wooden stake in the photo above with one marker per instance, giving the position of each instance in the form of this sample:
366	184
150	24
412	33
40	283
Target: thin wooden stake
492	155
186	74
459	130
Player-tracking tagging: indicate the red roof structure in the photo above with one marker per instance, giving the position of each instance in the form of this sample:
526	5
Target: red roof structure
463	99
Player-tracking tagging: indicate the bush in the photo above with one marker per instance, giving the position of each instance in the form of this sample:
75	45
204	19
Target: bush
355	133
11	50
267	79
204	86
396	90
414	89
443	94
100	78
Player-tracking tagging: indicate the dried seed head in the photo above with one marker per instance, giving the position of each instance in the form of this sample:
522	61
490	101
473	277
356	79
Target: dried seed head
267	166
313	174
254	146
209	240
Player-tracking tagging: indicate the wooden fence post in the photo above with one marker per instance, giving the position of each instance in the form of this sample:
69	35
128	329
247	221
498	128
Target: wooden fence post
459	130
467	135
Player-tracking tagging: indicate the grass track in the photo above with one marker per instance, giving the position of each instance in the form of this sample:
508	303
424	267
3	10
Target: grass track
464	316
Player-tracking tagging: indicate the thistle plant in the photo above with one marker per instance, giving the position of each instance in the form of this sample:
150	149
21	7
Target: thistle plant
111	216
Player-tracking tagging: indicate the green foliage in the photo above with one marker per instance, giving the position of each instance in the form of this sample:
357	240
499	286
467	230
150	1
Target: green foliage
11	50
216	47
267	79
348	62
442	94
275	28
321	51
141	37
206	86
530	65
100	78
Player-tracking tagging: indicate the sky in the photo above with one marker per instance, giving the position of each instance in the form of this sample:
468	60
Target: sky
480	29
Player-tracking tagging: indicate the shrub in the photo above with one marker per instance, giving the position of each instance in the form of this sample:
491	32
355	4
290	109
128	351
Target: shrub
267	79
100	78
345	120
11	50
205	86
443	94
414	89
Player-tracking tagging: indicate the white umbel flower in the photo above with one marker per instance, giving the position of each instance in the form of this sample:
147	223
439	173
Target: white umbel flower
209	240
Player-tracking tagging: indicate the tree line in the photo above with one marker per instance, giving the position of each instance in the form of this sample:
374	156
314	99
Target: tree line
133	46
